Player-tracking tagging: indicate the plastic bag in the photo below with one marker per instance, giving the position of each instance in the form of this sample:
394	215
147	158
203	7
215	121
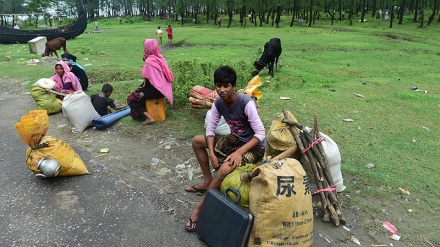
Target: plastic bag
33	127
52	148
232	180
45	83
334	161
222	127
32	130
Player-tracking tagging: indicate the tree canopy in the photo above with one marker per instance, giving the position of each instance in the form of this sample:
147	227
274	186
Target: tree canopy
257	12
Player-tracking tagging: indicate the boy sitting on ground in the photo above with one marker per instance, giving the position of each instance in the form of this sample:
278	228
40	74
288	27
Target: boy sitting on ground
102	102
245	144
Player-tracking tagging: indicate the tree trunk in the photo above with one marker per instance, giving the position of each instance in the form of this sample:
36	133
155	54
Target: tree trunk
310	13
277	21
364	6
431	19
416	11
230	18
350	15
402	7
391	16
374	9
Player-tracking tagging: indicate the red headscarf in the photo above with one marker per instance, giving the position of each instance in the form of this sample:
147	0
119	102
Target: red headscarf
156	69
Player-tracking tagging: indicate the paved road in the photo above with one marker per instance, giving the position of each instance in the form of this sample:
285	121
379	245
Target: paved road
92	210
123	202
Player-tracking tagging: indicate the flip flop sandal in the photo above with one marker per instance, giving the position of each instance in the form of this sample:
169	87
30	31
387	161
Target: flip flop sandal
192	223
196	190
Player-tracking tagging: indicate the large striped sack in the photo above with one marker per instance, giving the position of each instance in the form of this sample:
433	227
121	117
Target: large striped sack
200	92
200	103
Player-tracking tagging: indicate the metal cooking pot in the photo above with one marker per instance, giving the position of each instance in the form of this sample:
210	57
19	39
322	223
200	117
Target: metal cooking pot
49	168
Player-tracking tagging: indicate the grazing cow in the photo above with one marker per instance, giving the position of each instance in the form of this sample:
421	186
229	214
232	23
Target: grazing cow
271	53
54	45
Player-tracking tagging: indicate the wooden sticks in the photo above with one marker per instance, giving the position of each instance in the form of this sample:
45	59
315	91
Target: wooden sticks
315	163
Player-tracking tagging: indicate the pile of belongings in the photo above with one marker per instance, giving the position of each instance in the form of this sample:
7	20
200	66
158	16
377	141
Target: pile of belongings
202	97
32	129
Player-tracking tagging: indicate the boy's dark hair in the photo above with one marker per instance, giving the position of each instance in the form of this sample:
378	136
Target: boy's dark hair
225	74
107	88
158	27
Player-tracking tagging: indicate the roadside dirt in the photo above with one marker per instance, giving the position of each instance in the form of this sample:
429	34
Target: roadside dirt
132	149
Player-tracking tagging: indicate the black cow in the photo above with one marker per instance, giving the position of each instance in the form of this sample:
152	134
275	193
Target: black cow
271	53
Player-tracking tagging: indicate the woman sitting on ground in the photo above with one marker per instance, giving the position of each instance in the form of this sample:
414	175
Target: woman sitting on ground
65	81
157	82
77	69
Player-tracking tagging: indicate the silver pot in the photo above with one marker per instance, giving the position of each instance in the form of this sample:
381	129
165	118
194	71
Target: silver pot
49	168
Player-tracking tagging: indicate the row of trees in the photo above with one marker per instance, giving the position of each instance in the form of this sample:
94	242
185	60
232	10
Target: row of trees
257	12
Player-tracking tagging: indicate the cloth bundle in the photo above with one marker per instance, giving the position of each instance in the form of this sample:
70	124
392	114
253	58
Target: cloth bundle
202	97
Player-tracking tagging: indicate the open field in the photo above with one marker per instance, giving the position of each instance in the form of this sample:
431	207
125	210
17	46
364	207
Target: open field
321	68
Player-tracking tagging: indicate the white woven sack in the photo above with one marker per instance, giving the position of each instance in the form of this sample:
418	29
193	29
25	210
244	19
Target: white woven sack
222	127
79	110
45	83
334	161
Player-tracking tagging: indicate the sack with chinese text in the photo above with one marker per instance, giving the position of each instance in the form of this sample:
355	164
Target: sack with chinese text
281	202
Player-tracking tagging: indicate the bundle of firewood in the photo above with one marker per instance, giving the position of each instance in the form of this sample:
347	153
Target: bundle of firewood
316	164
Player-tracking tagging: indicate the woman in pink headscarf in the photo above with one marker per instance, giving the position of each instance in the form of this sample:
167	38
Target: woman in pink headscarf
157	82
65	81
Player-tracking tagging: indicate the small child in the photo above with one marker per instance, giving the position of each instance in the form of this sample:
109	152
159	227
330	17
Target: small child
170	34
101	101
159	34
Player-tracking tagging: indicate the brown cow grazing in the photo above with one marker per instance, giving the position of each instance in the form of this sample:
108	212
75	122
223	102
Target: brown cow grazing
54	45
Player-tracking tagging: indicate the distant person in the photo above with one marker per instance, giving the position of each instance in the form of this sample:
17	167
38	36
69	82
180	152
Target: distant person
96	25
120	20
157	83
101	102
300	19
170	34
65	81
16	26
159	34
219	21
77	69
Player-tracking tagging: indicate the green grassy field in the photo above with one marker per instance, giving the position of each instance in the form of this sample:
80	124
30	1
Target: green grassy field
320	69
